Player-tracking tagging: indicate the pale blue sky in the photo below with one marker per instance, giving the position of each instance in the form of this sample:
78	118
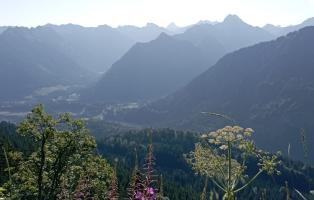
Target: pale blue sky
161	12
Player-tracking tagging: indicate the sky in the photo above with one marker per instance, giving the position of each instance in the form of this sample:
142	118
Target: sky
32	13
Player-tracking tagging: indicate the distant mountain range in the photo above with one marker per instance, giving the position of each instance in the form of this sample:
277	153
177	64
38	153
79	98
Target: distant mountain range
143	34
142	68
232	33
155	69
97	48
94	48
50	56
279	31
230	68
34	58
268	86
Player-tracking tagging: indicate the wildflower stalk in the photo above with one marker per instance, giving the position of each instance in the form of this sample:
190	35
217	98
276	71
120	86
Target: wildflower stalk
215	158
229	171
149	191
136	182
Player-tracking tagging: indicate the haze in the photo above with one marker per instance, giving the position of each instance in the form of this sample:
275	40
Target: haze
161	12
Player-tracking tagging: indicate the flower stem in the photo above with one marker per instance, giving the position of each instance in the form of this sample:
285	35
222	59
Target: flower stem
249	182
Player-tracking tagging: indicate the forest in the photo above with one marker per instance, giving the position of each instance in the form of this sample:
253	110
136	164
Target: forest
46	157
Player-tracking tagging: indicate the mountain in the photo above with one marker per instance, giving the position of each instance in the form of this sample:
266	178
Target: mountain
173	28
279	31
201	36
2	29
217	39
207	22
149	71
33	58
155	69
274	30
268	86
142	34
232	33
95	48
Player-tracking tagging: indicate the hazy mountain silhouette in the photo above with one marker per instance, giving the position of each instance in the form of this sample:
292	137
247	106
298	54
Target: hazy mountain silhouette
217	39
142	34
279	31
268	86
29	61
2	29
232	33
150	70
201	37
207	22
274	30
173	28
155	60
95	48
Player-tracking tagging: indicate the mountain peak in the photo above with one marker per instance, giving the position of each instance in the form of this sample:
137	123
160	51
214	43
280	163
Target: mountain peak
162	38
104	26
266	26
163	35
151	25
309	22
234	19
172	26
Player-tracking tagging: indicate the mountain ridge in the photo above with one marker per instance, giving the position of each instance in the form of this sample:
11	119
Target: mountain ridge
28	62
136	76
267	86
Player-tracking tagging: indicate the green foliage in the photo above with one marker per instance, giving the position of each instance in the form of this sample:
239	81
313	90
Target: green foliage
62	161
101	129
180	181
88	176
10	140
